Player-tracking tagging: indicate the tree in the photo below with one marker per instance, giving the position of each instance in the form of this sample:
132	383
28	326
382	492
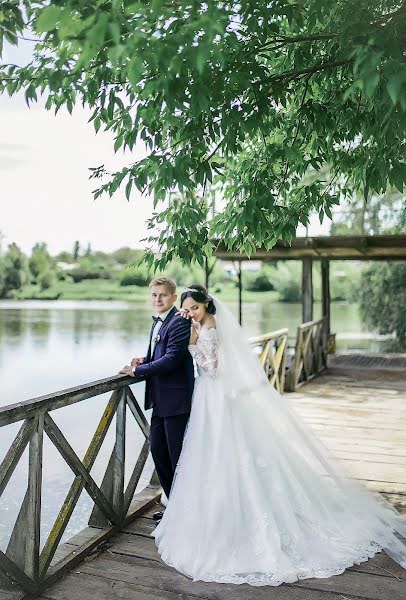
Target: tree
15	270
125	255
252	97
383	299
76	250
40	261
379	214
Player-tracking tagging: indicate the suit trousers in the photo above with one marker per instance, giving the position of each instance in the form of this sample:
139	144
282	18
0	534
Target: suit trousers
166	438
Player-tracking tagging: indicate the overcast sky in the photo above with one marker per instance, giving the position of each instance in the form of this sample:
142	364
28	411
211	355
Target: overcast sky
45	191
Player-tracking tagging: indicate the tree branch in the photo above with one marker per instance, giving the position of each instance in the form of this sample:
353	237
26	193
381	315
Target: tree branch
294	74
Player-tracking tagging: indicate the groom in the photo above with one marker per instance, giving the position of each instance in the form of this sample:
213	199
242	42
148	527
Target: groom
169	374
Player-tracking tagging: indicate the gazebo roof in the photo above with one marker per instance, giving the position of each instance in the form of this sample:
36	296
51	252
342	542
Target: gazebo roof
340	247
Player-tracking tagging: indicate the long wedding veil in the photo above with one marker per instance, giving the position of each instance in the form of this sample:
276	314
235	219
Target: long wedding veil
310	468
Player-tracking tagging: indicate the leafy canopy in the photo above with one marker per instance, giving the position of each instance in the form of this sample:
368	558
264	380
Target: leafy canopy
241	105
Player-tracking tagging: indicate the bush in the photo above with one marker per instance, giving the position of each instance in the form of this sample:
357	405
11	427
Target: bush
46	279
96	272
287	279
258	282
383	299
134	279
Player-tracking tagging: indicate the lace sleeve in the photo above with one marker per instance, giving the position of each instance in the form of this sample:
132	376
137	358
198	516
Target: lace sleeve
205	351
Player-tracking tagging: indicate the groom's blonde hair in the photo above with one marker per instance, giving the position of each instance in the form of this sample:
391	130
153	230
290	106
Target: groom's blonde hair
170	284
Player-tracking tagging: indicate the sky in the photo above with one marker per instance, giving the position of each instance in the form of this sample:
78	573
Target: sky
45	191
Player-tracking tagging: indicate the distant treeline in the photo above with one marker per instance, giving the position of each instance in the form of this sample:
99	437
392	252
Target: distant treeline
379	289
40	272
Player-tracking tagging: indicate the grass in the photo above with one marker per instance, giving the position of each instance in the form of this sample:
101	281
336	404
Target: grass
106	289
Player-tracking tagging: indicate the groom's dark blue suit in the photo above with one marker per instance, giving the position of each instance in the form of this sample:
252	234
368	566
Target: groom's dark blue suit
169	376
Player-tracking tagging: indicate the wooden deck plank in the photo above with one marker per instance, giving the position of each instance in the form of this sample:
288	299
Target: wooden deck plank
361	585
129	570
359	414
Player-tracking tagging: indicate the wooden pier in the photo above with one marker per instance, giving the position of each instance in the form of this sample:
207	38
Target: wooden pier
358	410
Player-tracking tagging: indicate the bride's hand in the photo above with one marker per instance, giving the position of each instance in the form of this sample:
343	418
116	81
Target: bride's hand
183	313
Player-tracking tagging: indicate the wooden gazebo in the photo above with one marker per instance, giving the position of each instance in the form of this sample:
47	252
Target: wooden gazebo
323	249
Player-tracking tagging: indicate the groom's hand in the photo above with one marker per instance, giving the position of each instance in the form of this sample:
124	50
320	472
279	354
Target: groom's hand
127	370
137	361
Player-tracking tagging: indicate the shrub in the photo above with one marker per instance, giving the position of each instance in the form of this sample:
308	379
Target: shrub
383	299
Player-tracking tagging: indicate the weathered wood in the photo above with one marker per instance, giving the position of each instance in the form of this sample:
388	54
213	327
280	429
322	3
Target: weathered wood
98	517
15	452
119	457
273	362
310	354
136	474
112	485
126	576
16	547
361	425
325	294
76	488
58	439
137	412
23	547
11	569
85	587
154	478
307	290
33	525
348	247
142	526
30	408
135	545
141	502
358	584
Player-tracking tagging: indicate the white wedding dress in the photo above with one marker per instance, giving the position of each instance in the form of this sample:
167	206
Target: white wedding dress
257	498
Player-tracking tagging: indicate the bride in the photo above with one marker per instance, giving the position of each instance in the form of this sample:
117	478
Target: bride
256	497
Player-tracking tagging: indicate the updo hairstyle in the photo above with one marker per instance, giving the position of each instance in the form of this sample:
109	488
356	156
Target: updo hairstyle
199	294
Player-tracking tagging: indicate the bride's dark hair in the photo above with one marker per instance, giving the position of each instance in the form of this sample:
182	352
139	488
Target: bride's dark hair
199	294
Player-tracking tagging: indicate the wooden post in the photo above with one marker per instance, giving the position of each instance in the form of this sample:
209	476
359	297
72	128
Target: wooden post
34	505
325	293
239	293
307	290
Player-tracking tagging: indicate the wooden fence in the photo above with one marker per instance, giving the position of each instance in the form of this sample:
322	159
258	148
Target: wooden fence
273	356
23	566
310	353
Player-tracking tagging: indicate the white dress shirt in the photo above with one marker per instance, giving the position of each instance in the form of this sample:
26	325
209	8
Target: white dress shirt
157	327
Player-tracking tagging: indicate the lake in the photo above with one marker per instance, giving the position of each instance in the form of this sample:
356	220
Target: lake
49	346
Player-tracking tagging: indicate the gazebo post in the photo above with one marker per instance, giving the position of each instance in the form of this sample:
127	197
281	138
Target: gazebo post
239	293
326	304
307	290
325	292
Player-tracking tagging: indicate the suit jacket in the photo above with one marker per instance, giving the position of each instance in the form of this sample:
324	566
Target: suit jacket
169	373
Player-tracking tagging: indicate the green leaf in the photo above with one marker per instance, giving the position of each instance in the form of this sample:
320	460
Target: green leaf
128	189
394	86
48	18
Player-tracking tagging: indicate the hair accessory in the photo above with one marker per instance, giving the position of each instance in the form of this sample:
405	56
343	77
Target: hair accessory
191	290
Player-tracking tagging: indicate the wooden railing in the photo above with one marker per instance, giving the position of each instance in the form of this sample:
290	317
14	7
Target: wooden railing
310	353
24	568
273	356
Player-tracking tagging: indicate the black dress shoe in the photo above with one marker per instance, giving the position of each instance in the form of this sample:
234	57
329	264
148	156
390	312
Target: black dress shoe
157	516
